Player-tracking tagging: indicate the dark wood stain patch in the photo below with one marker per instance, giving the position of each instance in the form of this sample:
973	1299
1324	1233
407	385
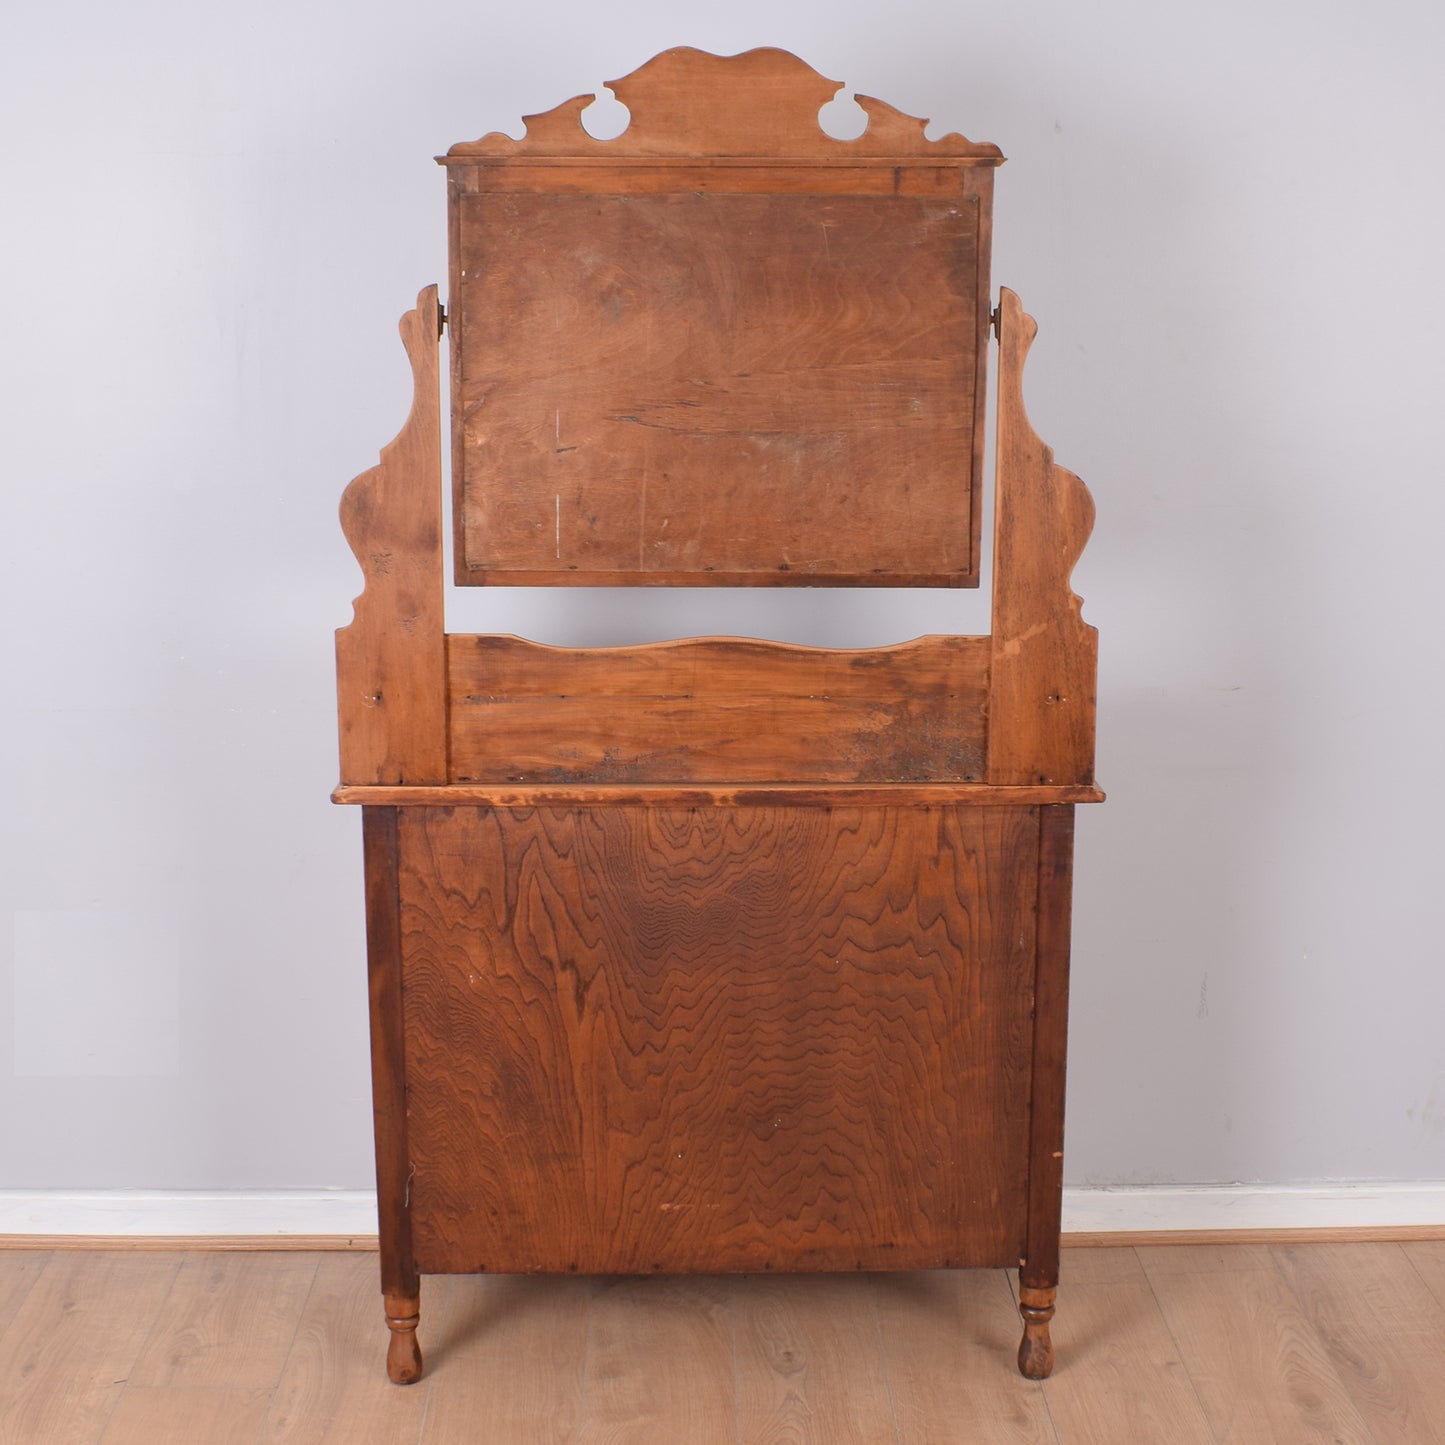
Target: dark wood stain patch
716	709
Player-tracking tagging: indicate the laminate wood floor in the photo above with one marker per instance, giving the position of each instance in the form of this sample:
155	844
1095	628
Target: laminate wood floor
1243	1343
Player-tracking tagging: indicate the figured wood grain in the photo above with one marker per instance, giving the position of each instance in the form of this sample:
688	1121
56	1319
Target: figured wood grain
1042	679
686	102
390	662
698	388
660	982
777	1038
717	708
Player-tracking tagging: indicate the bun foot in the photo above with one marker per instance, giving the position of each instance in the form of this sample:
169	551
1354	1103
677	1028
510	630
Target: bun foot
403	1354
1036	1349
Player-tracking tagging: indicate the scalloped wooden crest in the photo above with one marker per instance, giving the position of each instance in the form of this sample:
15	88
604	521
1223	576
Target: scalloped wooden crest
762	103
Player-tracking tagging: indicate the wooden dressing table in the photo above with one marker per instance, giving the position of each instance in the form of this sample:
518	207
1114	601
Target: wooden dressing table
717	955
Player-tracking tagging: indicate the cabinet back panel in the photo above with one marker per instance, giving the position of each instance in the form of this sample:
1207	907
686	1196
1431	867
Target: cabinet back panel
680	1039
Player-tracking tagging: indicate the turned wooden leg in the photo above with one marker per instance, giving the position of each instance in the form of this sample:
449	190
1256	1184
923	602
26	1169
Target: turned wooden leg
1036	1349
403	1354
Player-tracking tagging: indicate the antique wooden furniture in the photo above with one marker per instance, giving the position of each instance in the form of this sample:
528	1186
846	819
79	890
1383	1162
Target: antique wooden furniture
717	955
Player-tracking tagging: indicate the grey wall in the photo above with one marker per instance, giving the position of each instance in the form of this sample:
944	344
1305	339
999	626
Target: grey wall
1225	217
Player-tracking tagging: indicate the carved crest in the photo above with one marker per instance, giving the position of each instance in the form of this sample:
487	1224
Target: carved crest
760	104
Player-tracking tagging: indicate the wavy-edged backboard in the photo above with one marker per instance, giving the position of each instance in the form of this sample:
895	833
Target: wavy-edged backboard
716	708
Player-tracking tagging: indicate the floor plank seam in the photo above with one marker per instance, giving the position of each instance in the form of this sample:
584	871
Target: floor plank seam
1043	1389
1286	1344
5	1351
269	1416
1327	1352
730	1294
295	1330
581	1422
142	1346
426	1405
883	1365
441	1330
1178	1352
1424	1280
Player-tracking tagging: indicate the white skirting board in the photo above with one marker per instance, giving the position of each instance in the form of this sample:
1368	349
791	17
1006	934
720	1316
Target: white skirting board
347	1212
1191	1208
141	1212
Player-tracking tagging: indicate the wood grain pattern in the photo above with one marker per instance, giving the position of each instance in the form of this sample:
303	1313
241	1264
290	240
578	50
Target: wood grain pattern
809	1367
1051	1020
194	1413
1036	1348
510	1355
764	102
716	708
71	1344
600	175
1042	679
716	795
722	1040
1428	1260
1385	1338
696	388
18	1274
1039	1268
400	1285
1259	1368
1121	1376
717	955
388	1063
390	664
530	1339
948	1343
221	1326
683	1329
331	1390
